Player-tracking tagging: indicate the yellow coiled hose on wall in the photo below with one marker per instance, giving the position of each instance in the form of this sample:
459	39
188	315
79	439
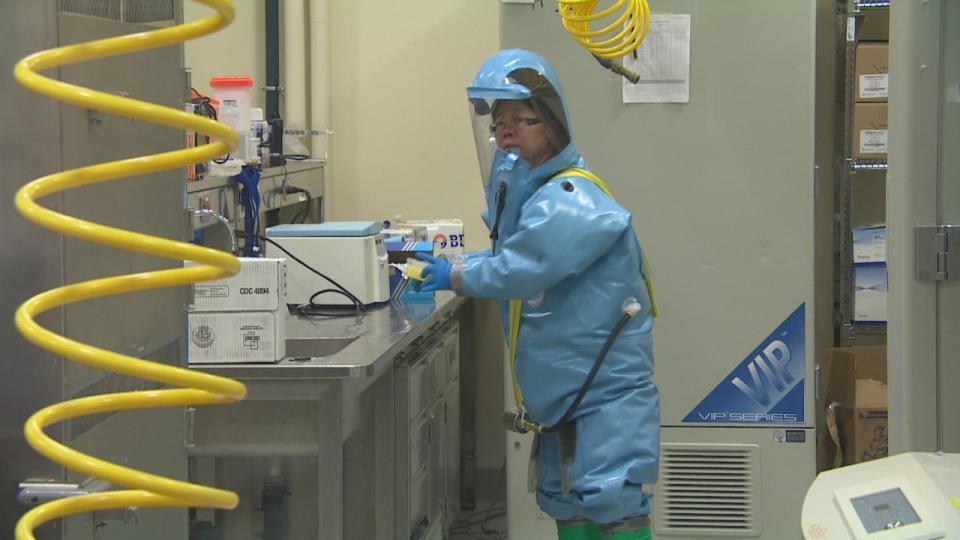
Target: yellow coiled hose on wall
629	21
142	489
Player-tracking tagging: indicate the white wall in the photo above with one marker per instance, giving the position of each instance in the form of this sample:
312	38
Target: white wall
402	142
402	137
235	51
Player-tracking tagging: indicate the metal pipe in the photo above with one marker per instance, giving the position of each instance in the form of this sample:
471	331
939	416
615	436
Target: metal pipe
272	19
206	212
294	64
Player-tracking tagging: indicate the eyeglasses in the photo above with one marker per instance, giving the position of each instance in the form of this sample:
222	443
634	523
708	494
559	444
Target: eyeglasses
512	123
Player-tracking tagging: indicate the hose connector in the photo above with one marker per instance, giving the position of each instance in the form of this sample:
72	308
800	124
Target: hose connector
519	422
631	307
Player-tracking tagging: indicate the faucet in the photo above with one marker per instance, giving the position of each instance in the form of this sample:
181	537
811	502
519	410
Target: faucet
203	213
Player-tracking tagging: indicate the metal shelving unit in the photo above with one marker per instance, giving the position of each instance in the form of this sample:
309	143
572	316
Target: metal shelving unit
846	329
868	164
871	4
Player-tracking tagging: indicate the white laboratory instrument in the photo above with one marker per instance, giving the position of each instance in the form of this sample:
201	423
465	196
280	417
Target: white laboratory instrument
912	496
352	253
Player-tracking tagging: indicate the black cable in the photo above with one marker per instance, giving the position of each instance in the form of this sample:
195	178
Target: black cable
313	309
327	291
501	202
286	188
305	213
207	110
203	108
624	319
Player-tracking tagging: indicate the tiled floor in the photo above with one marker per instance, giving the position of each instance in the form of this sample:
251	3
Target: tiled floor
486	522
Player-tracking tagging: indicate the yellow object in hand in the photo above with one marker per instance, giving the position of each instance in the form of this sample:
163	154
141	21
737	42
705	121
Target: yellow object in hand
414	269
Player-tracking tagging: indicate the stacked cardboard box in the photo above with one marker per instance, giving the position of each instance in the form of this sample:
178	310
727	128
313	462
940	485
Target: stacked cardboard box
856	405
240	319
871	74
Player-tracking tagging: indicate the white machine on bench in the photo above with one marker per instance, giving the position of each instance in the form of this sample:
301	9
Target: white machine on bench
352	253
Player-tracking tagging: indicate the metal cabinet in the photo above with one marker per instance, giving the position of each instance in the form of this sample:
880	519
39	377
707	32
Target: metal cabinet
428	435
44	136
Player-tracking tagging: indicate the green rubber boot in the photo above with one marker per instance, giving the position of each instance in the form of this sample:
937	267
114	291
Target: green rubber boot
580	530
642	534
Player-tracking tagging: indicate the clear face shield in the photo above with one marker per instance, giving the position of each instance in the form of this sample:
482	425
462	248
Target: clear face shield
481	118
534	127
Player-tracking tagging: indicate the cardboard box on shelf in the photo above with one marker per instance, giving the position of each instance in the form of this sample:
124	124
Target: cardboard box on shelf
872	72
874	25
870	131
856	400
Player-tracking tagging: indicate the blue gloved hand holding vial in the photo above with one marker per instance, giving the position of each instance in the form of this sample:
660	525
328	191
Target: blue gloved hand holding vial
436	275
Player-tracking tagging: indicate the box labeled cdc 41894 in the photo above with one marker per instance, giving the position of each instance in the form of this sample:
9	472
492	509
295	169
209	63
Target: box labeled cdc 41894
260	285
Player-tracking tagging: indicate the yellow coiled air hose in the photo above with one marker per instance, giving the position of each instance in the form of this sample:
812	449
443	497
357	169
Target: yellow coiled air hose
629	22
195	388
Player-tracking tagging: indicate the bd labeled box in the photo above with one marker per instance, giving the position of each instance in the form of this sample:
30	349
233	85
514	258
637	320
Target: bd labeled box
446	234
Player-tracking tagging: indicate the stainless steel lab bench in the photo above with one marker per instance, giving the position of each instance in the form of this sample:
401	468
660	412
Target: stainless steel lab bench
322	427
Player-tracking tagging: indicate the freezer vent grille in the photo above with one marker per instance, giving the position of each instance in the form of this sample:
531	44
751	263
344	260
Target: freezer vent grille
132	11
708	489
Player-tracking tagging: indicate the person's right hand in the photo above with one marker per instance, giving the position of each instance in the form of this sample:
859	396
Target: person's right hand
436	275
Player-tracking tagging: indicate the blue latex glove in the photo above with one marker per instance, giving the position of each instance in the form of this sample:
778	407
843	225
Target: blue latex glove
436	274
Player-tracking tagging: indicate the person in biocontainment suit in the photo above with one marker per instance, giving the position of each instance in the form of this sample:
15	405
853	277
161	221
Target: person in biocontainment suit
576	303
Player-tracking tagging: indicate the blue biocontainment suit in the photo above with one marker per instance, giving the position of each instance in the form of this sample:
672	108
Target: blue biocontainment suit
567	250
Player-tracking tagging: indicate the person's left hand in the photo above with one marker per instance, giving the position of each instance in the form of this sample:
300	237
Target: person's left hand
436	274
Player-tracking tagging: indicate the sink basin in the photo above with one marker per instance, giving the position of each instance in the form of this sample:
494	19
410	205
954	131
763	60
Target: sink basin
316	347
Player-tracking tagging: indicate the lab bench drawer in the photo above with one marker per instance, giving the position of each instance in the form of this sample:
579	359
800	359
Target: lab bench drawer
419	499
421	389
451	353
419	445
438	364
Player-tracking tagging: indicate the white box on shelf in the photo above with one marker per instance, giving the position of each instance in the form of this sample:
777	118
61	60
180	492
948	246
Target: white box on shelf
446	234
870	292
870	244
